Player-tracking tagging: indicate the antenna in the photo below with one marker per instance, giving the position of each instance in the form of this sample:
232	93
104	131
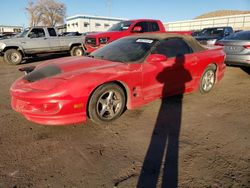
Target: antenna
109	6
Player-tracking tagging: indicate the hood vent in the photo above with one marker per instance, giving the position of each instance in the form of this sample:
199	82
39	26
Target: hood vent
41	73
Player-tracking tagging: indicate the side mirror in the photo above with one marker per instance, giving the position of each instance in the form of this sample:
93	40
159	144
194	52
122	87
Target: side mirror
137	29
154	58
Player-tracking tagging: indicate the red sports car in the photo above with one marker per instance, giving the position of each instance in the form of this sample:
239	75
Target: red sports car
127	73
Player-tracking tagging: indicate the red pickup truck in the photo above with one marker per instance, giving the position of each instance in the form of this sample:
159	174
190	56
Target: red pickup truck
122	29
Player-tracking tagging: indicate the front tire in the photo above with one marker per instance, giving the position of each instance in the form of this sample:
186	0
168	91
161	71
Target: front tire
76	51
13	57
106	104
207	80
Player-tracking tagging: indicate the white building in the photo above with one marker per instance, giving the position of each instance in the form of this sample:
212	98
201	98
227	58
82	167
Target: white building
10	29
87	23
237	22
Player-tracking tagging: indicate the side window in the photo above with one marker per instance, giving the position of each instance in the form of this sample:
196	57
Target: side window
143	25
153	26
36	33
173	47
52	32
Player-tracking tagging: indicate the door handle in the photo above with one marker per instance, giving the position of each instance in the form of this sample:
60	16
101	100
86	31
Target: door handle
23	42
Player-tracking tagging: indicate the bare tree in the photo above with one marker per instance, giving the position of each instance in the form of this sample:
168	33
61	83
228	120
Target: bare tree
34	15
46	12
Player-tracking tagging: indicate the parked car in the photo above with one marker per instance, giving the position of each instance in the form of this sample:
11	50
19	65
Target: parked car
237	48
196	33
38	40
209	36
125	28
128	72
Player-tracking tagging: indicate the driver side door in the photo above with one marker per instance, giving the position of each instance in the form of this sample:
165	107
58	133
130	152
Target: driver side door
36	42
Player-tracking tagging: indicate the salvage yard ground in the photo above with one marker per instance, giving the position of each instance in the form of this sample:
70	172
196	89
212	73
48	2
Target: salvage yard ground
212	150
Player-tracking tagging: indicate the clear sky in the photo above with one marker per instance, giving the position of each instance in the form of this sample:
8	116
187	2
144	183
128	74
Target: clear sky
12	12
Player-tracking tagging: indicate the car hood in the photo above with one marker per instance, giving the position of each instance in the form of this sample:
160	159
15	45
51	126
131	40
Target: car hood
105	34
66	68
12	41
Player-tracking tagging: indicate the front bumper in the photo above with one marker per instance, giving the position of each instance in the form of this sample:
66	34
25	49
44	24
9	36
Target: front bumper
58	112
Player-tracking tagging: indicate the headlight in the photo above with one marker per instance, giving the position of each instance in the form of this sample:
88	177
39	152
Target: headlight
212	41
2	45
103	40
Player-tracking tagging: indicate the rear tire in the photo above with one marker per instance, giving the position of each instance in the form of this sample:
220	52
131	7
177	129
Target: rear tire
207	80
106	104
76	51
13	57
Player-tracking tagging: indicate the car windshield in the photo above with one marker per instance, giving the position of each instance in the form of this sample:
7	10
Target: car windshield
242	35
212	32
122	26
126	50
23	34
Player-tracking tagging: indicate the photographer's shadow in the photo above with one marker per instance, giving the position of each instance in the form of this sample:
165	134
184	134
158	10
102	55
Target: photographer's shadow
160	166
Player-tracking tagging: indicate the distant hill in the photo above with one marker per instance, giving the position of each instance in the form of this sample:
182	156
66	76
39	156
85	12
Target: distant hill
219	13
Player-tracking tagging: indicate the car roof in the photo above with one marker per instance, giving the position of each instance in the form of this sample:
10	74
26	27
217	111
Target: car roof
217	27
146	19
191	41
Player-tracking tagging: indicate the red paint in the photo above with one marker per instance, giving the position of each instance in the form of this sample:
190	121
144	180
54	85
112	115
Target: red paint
247	46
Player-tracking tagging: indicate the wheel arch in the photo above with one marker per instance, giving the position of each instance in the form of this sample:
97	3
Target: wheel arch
74	44
20	49
214	65
121	84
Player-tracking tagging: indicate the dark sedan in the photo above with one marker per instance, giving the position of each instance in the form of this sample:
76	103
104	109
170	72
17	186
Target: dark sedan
209	36
237	48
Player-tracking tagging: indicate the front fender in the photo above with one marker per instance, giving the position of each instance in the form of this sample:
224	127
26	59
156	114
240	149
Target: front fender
17	47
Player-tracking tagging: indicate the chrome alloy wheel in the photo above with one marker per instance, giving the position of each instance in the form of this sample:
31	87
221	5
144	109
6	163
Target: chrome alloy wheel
208	80
109	104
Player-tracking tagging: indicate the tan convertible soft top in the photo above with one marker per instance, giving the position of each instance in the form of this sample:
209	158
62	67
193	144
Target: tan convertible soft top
192	42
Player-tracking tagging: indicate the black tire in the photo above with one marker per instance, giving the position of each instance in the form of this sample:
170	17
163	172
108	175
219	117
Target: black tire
13	57
106	104
207	80
77	51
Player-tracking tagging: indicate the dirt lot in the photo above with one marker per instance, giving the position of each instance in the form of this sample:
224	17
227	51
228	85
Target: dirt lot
203	139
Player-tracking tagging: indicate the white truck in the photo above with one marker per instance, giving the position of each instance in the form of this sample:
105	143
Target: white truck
38	40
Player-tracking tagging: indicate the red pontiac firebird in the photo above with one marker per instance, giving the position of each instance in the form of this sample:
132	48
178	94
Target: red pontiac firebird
127	73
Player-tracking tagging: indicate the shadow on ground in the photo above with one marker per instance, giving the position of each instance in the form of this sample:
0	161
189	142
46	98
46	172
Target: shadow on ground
160	166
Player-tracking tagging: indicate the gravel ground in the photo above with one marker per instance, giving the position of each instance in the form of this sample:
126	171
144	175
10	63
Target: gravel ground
194	141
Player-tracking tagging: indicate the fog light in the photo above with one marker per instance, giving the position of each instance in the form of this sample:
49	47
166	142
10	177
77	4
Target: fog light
50	107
